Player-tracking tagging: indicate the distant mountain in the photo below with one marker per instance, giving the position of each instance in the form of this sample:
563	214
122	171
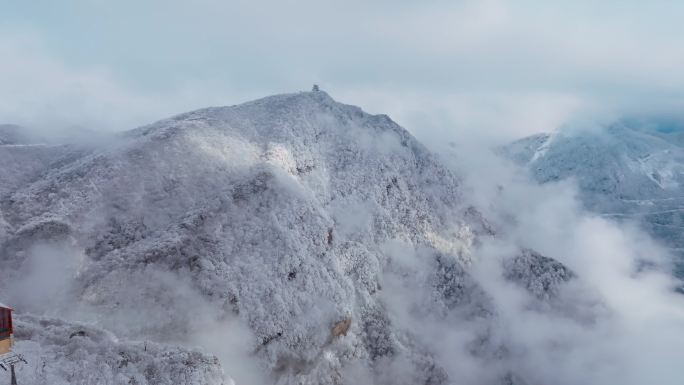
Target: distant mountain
631	170
12	134
295	214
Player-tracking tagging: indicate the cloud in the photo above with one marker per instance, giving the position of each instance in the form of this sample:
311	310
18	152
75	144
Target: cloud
463	74
486	116
616	323
47	276
40	91
637	322
494	65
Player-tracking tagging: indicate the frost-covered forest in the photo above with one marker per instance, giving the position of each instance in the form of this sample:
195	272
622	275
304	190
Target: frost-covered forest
294	240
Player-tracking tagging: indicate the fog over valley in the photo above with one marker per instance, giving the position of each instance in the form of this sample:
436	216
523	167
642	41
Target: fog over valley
480	192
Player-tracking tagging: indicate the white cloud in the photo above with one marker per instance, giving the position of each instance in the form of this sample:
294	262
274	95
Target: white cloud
41	91
494	65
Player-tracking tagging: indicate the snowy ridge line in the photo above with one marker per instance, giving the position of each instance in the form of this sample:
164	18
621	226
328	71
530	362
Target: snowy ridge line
281	229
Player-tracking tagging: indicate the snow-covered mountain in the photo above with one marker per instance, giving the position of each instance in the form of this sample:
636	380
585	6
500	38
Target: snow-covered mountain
630	170
315	225
59	352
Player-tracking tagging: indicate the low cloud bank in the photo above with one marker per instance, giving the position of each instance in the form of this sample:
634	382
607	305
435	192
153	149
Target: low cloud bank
621	321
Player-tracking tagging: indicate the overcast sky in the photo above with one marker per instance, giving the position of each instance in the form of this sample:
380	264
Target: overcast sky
505	67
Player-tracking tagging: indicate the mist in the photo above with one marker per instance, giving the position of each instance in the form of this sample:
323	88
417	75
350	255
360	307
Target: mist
513	68
464	78
620	323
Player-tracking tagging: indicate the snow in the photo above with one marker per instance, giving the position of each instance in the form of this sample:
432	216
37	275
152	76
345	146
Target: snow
622	170
542	276
287	215
58	353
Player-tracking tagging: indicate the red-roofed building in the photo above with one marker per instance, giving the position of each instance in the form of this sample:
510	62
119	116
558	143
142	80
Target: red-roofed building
5	329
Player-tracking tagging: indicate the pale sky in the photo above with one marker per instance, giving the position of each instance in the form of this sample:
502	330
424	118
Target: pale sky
505	67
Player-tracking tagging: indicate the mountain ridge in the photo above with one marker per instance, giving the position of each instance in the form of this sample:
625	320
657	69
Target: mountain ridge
290	214
627	172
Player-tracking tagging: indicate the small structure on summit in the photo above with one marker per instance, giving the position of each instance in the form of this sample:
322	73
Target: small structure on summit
315	88
8	358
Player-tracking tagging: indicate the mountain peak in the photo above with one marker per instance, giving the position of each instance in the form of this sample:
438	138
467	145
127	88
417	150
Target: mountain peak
260	211
303	116
319	97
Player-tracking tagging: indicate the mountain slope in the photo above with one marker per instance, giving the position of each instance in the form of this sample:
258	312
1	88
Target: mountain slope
58	352
297	215
628	171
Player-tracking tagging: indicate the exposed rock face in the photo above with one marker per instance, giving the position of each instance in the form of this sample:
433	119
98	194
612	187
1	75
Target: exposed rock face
341	328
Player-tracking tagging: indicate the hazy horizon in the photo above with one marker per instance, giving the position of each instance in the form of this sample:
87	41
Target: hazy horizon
297	240
505	68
